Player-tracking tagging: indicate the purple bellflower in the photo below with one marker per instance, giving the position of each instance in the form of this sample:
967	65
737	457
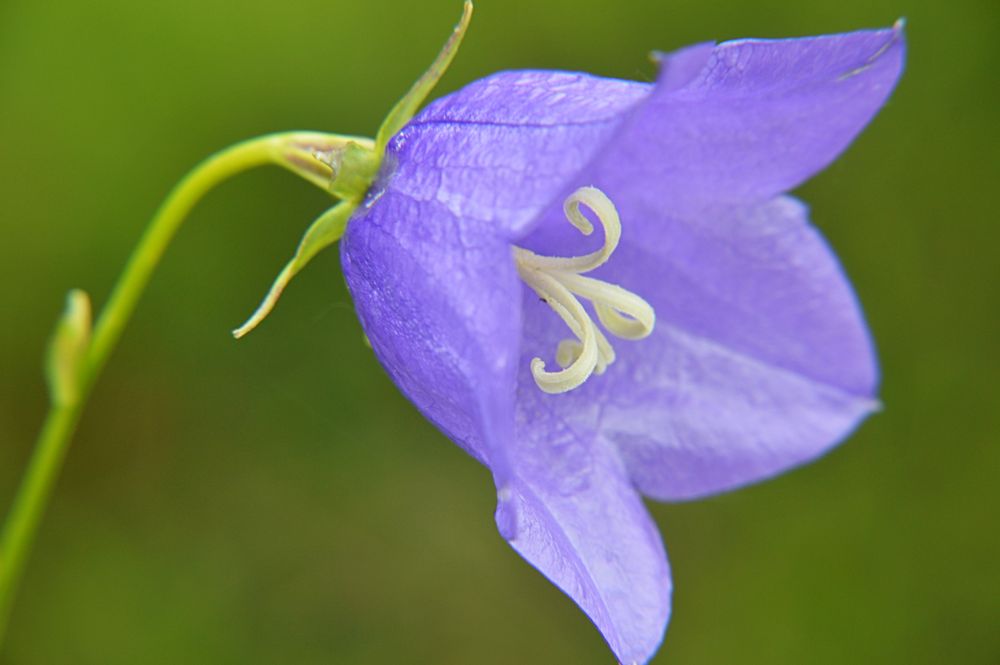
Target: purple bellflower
744	350
708	341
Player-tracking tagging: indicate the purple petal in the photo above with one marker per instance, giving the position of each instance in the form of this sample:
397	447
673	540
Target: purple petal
680	67
760	117
436	297
760	359
501	148
582	524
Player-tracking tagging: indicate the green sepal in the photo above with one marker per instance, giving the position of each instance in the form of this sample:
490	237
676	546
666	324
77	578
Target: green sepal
326	230
407	107
68	349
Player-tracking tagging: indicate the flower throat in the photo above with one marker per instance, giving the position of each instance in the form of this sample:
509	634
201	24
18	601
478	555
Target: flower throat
560	282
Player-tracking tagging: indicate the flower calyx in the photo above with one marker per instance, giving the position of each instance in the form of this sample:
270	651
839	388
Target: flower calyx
346	167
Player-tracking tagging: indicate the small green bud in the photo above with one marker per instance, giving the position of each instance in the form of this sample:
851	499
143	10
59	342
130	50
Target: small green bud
68	349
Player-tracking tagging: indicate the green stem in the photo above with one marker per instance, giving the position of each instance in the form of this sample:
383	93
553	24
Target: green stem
309	155
60	423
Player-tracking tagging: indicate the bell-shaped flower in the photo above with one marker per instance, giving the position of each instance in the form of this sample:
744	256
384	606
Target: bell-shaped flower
467	279
708	340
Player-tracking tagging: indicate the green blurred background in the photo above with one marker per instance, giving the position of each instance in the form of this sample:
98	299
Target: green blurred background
277	501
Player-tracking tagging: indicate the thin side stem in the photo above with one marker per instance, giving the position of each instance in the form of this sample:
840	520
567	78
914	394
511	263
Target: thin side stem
60	423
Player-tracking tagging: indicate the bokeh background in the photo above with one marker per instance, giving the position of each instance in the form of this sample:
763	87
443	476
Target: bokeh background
277	501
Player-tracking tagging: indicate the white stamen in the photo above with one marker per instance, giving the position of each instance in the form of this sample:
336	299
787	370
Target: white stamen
559	280
571	311
611	302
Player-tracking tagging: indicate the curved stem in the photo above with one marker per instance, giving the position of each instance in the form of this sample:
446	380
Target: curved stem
63	416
